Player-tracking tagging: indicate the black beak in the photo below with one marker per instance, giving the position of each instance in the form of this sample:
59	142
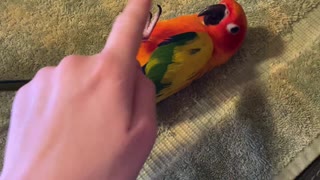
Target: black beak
213	14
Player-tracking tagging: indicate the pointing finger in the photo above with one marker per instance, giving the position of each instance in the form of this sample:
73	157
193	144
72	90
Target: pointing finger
126	34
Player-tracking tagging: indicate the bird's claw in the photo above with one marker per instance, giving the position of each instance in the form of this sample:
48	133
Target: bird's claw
151	24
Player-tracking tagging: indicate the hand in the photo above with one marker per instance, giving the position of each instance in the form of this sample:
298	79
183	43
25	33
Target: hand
90	117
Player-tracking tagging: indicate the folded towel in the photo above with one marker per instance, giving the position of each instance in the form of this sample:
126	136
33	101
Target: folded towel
256	117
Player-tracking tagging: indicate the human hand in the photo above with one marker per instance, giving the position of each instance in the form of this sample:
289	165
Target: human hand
90	117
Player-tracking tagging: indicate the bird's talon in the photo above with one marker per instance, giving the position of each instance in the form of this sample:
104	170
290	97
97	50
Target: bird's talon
150	16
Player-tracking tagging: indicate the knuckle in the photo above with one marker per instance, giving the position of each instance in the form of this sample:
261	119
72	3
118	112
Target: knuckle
71	60
41	75
44	71
70	63
68	60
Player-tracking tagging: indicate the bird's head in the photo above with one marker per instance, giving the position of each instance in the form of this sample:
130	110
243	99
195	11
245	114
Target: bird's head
226	23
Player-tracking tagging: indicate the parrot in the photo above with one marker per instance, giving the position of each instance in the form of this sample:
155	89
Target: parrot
175	52
178	51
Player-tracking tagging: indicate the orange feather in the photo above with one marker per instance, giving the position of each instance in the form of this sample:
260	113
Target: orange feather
165	29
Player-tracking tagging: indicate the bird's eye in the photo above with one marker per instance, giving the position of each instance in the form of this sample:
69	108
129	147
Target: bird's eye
233	28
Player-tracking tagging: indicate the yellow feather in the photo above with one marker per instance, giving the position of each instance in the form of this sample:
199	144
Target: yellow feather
186	65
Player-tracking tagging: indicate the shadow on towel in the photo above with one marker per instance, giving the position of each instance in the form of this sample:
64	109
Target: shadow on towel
236	147
240	145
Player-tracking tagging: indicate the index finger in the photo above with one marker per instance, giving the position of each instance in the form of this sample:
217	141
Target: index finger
126	34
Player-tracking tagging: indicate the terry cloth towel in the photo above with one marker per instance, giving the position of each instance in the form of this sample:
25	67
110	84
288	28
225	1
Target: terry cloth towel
256	117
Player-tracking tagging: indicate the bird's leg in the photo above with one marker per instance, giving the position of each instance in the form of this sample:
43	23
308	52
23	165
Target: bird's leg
151	24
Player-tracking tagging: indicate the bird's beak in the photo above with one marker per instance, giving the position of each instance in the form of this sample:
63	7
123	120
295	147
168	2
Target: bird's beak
213	14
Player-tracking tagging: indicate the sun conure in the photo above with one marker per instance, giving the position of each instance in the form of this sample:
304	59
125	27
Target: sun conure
177	51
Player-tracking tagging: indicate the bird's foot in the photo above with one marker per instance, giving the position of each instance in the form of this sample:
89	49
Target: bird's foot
151	24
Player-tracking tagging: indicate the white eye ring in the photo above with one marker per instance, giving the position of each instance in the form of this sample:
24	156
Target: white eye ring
233	28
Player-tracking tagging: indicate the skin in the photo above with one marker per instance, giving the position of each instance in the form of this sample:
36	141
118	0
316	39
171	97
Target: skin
90	117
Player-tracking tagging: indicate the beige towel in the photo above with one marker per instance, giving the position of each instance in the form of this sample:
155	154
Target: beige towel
255	118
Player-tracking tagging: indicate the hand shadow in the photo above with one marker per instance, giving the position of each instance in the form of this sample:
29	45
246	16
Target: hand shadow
236	148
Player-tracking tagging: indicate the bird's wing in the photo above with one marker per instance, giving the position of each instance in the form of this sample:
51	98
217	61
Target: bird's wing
176	61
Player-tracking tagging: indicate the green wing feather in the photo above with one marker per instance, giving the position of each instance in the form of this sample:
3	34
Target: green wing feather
175	56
